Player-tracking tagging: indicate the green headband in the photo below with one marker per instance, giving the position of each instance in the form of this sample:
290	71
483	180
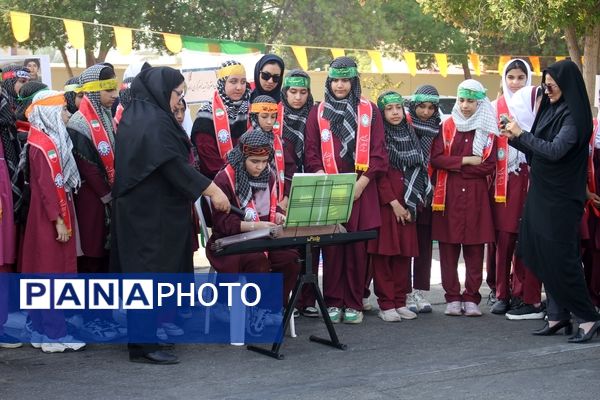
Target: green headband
343	72
425	98
71	88
471	94
30	97
390	98
296	81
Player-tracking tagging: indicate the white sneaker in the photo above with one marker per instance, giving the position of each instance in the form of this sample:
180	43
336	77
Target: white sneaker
161	334
172	329
366	305
423	306
37	339
389	315
405	313
453	308
472	309
411	303
64	344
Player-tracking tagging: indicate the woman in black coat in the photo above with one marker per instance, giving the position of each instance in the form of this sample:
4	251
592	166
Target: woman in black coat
549	243
155	187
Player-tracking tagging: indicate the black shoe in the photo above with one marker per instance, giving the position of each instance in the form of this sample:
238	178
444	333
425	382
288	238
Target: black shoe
156	357
525	311
500	307
581	337
491	298
548	331
516	302
310	312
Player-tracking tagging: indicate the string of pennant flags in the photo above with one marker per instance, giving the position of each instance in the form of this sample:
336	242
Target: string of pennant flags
175	43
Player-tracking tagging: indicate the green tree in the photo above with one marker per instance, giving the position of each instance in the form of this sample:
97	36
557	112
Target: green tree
51	32
577	21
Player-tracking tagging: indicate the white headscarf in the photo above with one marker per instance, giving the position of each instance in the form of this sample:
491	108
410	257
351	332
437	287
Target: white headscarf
505	90
522	106
49	120
483	121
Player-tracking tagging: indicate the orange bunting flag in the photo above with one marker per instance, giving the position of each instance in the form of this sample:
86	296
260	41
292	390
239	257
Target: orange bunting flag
20	23
173	42
75	33
300	53
535	63
442	62
411	62
338	53
123	39
474	58
502	62
377	60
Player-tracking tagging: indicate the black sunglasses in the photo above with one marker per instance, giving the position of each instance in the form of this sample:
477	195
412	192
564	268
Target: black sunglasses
267	75
548	87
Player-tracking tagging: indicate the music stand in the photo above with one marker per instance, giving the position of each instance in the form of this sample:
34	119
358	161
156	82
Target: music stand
317	205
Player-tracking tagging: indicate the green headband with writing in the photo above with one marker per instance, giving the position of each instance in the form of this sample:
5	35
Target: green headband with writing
390	98
425	98
471	94
343	72
296	81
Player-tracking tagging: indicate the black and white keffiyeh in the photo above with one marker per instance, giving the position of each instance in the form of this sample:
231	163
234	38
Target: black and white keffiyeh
254	116
405	154
236	110
70	94
294	121
246	184
341	113
426	130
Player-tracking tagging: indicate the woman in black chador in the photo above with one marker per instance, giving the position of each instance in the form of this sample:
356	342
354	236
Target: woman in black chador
549	243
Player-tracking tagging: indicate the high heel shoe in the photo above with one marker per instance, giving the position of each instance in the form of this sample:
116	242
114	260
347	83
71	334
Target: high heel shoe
548	330
581	337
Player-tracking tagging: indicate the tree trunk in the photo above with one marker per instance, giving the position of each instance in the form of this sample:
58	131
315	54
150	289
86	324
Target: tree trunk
590	65
63	53
90	58
573	45
103	52
466	70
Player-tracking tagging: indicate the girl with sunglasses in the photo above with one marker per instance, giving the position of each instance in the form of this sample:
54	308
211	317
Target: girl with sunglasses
268	77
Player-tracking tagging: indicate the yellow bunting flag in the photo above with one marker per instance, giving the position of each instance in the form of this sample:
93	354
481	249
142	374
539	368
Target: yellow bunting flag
442	61
474	58
560	58
20	25
173	42
411	62
535	63
377	60
75	33
123	39
300	53
502	62
338	53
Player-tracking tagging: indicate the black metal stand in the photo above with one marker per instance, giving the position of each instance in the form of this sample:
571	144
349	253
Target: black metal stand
309	277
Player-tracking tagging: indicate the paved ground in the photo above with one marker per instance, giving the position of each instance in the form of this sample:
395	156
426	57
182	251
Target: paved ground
432	357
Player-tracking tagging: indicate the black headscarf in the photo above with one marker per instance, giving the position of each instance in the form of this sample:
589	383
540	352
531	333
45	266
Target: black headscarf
258	90
125	92
149	135
70	95
294	121
25	97
342	113
570	81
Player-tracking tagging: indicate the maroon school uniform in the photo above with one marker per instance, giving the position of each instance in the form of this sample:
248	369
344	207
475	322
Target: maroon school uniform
283	261
467	219
345	266
43	253
391	252
591	255
291	165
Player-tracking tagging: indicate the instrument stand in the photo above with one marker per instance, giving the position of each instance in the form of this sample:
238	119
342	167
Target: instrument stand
308	277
